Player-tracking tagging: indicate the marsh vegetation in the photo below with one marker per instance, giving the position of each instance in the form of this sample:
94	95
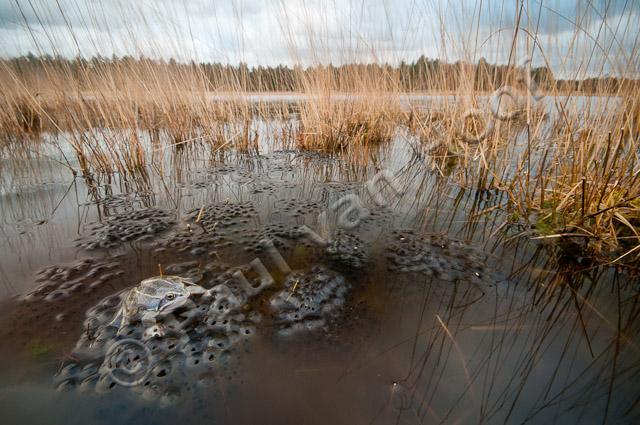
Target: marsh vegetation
496	283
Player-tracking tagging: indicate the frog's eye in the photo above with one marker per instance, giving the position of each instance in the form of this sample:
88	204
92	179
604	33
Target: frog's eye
171	296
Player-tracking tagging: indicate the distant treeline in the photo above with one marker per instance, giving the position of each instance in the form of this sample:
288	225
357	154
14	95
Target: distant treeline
421	75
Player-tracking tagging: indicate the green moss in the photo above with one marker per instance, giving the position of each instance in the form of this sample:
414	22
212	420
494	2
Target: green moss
38	349
549	204
544	227
514	217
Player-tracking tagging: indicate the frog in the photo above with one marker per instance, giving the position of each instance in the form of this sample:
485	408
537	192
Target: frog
153	298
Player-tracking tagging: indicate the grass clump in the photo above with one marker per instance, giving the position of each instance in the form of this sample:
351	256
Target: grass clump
566	153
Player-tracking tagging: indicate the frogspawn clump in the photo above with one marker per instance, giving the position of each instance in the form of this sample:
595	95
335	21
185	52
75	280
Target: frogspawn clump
128	226
196	339
435	255
222	215
83	276
347	250
308	300
281	235
210	228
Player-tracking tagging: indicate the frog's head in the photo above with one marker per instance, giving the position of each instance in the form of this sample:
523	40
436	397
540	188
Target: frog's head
172	300
168	292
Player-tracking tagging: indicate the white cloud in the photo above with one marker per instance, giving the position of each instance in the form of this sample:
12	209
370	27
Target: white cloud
268	32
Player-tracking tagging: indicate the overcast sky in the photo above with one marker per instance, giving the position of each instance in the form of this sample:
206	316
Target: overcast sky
576	38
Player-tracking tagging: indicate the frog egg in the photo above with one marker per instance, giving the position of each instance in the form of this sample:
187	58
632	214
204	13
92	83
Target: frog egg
195	360
255	317
157	346
246	331
138	331
177	359
171	344
171	324
152	390
209	356
218	343
95	310
169	398
223	325
105	316
203	308
286	332
105	384
161	371
190	315
88	370
66	385
192	347
57	295
312	325
89	383
68	371
206	380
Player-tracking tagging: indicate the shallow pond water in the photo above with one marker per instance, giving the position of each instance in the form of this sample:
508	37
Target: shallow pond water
419	310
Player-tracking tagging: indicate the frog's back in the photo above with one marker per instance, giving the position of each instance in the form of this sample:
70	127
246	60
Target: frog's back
158	286
147	295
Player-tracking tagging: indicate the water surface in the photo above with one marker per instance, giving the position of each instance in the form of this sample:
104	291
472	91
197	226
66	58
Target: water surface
426	311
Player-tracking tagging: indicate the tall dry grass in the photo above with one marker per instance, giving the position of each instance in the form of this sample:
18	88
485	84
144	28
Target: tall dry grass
568	163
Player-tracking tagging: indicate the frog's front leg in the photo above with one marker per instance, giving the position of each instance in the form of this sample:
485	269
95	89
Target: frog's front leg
151	326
